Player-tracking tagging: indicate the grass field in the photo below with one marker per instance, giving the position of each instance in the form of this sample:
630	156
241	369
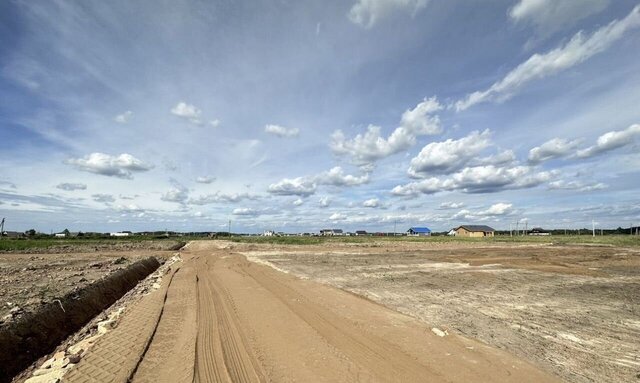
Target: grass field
7	244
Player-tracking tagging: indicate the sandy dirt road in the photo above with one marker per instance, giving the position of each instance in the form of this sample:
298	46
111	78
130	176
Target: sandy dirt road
221	318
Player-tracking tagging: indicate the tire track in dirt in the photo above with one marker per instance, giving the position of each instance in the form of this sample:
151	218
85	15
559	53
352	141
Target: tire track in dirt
171	353
227	348
116	355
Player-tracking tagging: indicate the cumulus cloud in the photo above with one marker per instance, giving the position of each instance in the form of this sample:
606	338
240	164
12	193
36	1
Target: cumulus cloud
281	131
130	208
549	16
451	205
478	179
104	198
300	186
298	202
245	211
324	202
337	217
124	117
450	155
577	186
121	166
177	193
71	186
365	149
554	148
497	209
205	179
372	202
219	197
610	141
214	123
190	113
577	50
367	13
306	186
337	177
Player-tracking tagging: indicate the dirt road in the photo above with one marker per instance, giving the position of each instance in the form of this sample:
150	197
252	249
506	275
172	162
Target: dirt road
221	318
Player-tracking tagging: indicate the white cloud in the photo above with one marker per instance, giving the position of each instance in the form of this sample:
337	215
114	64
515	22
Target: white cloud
205	179
364	149
281	131
305	186
298	202
549	16
121	166
324	202
71	186
175	195
336	177
497	209
451	205
554	148
124	117
576	185
130	208
245	211
450	155
300	186
610	141
478	179
337	217
577	50
367	13
214	123
104	198
218	197
373	202
190	113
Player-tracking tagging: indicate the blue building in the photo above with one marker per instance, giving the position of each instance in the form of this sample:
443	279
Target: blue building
419	231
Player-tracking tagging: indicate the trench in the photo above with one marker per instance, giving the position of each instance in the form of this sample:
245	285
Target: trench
40	332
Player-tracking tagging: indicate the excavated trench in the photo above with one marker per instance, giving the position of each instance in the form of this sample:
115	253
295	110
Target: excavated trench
38	333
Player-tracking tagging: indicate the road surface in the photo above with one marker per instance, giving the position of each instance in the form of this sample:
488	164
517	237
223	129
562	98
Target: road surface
221	318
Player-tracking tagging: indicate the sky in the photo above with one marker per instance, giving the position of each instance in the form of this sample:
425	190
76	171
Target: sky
297	116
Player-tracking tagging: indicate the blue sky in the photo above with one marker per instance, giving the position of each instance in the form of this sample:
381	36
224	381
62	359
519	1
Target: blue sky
297	116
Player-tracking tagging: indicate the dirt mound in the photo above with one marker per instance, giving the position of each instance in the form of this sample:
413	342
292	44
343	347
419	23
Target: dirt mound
38	333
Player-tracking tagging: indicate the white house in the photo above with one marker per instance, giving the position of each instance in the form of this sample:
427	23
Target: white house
120	234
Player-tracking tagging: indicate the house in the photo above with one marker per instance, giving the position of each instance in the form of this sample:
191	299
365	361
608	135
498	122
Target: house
474	231
361	232
12	234
452	232
268	233
331	232
60	235
538	231
419	232
120	234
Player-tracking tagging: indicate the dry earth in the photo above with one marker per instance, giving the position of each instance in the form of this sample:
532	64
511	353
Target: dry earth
30	280
220	318
572	310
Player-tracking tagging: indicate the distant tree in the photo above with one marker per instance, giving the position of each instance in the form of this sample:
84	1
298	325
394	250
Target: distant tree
31	232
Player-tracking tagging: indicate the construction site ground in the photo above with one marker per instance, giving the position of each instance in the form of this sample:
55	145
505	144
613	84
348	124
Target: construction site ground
380	311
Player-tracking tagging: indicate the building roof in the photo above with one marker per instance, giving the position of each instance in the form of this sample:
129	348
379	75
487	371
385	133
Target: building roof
361	232
483	228
420	230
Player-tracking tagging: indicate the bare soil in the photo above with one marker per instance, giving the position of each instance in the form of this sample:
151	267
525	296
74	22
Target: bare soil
572	310
222	318
28	281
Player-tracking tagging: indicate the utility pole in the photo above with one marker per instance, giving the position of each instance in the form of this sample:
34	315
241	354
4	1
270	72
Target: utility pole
510	229
593	227
229	230
395	223
517	231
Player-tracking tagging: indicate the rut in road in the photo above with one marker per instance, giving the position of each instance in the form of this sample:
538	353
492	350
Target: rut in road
222	352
